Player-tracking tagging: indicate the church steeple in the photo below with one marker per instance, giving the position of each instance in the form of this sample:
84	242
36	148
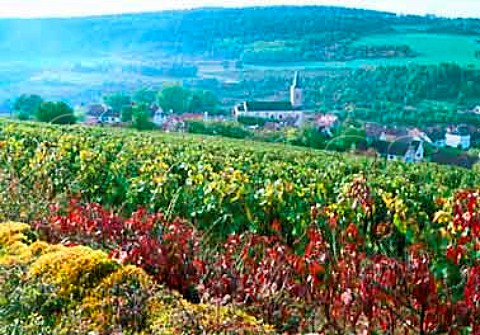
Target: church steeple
295	80
296	92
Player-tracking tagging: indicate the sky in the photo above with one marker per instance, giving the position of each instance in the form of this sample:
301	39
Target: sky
69	8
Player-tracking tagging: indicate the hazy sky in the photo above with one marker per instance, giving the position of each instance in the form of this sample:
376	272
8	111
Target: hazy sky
40	8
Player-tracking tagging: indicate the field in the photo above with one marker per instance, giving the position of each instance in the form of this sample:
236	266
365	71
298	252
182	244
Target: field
431	48
300	240
61	79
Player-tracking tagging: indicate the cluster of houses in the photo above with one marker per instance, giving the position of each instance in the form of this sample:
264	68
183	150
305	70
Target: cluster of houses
102	114
279	113
286	113
409	144
394	143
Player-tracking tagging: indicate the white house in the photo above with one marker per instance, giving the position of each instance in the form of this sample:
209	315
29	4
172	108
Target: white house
407	151
436	136
281	111
458	138
109	118
159	117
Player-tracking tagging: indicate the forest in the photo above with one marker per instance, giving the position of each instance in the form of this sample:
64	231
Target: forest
216	33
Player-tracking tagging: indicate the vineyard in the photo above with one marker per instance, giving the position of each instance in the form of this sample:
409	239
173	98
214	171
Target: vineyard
273	239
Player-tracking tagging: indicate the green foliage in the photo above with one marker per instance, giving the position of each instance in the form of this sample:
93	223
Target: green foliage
26	106
251	121
221	33
56	112
310	137
145	96
127	113
227	129
203	101
408	95
174	98
141	118
235	185
182	100
118	101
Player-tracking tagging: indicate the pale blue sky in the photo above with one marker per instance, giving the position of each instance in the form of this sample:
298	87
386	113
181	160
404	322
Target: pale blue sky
41	8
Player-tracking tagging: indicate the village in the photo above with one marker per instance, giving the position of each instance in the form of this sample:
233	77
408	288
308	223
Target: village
441	144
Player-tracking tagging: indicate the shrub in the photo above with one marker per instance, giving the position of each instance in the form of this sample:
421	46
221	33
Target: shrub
55	112
166	250
72	270
76	290
173	315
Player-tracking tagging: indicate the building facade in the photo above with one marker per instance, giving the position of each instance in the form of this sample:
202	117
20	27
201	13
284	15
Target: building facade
458	139
288	112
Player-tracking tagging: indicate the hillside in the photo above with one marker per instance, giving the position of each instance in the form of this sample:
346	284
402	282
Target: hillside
300	240
81	59
216	33
214	180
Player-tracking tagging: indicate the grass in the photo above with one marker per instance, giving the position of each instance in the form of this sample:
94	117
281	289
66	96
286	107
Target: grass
432	48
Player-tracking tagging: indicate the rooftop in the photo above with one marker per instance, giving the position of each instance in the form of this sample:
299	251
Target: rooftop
435	133
395	148
259	106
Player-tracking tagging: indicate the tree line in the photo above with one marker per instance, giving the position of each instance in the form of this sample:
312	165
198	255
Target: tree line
133	108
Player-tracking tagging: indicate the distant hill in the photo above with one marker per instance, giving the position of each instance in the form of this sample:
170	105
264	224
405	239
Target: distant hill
210	32
81	59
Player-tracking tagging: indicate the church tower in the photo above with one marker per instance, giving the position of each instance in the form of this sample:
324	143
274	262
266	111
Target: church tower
296	93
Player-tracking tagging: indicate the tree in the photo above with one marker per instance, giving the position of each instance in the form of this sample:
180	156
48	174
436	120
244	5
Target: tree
175	98
27	106
127	114
141	118
55	112
117	101
209	101
145	96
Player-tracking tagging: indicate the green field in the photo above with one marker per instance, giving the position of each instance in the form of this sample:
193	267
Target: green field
431	49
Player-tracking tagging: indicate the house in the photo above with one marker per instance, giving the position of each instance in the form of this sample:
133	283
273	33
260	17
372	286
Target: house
97	109
409	151
158	116
458	138
103	113
192	116
393	134
376	132
109	117
288	112
476	110
326	121
91	120
436	136
373	131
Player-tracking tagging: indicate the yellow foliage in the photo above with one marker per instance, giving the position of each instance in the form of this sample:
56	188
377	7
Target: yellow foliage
170	314
19	253
72	270
103	297
120	299
11	232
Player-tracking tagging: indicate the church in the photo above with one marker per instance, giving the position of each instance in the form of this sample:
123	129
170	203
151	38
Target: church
279	111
